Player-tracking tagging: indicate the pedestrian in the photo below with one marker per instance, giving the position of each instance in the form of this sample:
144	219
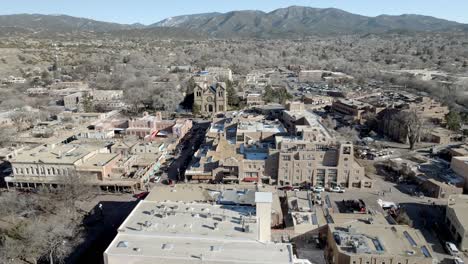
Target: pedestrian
101	213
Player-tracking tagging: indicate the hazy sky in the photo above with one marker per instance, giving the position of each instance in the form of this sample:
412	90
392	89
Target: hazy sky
150	11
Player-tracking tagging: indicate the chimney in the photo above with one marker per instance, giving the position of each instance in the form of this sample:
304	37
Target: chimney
263	205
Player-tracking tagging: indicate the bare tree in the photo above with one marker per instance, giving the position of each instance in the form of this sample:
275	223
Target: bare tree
43	226
413	125
6	134
348	134
329	122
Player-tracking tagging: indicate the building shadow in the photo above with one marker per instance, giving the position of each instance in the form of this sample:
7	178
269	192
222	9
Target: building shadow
430	220
100	228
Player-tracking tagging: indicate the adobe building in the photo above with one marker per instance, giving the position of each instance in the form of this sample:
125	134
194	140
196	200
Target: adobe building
254	99
148	125
106	99
47	166
193	232
221	74
304	162
311	155
459	165
352	109
456	219
376	243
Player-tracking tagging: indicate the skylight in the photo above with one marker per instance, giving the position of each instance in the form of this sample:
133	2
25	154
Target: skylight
122	244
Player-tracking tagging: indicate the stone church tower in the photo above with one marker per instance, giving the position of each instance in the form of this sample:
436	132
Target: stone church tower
211	98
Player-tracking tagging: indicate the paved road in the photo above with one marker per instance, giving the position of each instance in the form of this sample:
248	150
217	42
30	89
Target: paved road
186	150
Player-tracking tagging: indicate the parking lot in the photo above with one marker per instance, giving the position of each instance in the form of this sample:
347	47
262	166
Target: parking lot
424	212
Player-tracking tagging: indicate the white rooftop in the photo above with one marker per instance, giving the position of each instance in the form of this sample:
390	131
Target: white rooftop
263	197
260	126
189	232
150	250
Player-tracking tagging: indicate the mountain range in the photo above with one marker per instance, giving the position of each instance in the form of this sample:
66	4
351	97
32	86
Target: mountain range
290	22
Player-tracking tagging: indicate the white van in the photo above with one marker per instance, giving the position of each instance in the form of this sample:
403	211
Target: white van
451	248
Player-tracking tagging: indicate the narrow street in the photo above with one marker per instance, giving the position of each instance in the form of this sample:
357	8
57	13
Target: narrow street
186	150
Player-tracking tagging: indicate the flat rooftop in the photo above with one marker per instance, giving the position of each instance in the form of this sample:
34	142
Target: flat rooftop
260	126
62	154
312	120
183	193
382	240
150	250
191	218
99	160
300	201
353	103
459	205
190	232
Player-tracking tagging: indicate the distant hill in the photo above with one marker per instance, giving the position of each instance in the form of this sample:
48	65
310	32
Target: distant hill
290	22
158	33
59	23
298	21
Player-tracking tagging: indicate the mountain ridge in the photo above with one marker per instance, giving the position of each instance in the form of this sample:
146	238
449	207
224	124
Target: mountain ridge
289	22
296	21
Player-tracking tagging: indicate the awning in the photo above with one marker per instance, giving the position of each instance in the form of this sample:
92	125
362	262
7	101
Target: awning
250	179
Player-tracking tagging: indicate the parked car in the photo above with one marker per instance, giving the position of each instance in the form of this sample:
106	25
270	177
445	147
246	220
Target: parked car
318	189
458	260
337	189
451	248
168	182
141	196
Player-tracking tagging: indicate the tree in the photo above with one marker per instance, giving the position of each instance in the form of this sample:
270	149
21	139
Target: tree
88	105
268	94
196	109
233	98
46	78
349	134
329	122
283	95
403	218
278	95
453	120
38	227
6	134
166	97
413	124
190	86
